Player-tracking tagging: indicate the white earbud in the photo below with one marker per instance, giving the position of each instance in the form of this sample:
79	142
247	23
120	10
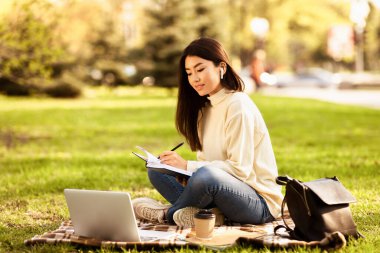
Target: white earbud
221	73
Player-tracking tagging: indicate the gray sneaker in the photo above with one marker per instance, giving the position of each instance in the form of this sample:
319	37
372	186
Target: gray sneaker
149	209
185	217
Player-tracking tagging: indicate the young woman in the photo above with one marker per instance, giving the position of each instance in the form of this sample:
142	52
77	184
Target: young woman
235	169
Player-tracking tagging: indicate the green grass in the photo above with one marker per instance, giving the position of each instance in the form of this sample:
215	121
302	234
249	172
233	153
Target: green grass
47	145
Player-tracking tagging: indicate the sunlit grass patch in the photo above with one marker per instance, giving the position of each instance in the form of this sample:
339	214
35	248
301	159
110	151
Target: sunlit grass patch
48	145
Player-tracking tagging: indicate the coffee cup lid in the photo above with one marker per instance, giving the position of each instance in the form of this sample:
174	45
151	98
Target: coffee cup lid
204	214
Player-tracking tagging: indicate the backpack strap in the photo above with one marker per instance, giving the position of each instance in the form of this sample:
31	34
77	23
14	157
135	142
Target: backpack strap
286	226
283	180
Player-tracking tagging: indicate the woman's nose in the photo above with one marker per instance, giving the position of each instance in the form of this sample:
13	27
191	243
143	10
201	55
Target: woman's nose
196	78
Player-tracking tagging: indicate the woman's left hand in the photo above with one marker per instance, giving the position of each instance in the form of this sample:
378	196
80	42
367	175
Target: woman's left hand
173	159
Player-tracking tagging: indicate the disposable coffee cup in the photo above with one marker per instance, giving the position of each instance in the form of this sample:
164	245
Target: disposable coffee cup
204	222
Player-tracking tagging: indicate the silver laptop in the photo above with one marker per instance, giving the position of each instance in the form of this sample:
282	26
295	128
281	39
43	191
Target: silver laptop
107	215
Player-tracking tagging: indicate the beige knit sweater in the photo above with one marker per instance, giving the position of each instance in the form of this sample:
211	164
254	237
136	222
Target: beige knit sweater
235	139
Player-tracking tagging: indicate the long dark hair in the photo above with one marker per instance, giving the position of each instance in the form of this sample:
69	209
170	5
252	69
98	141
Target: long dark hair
190	104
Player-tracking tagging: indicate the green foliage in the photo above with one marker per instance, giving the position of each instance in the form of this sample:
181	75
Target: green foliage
43	39
302	29
108	49
165	37
47	145
27	44
170	26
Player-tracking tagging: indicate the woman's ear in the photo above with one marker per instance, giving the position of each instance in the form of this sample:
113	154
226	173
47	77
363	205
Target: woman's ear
223	67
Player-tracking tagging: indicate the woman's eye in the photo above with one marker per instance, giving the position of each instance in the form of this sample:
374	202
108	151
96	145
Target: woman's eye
200	70
188	74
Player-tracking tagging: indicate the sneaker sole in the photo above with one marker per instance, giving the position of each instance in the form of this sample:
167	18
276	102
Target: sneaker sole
185	217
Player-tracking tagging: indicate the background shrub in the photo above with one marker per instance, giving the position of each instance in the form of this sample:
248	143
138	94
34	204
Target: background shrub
11	88
63	89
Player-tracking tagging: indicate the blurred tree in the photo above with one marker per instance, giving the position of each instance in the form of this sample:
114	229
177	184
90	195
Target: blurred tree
41	39
206	19
170	26
299	31
371	40
166	32
238	15
27	44
93	34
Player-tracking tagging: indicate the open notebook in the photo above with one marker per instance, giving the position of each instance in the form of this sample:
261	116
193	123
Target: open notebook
154	163
107	215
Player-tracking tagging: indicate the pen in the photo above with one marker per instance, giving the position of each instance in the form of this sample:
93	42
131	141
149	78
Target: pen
179	145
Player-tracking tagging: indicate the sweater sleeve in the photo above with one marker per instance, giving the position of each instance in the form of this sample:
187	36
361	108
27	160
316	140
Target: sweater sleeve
238	143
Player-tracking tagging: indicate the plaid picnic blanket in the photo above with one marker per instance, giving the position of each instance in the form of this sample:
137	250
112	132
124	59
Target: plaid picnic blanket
224	236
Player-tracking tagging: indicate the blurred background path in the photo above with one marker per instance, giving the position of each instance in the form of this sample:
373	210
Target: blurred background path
367	98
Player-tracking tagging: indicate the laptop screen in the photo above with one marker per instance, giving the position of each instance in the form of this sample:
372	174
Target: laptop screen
105	215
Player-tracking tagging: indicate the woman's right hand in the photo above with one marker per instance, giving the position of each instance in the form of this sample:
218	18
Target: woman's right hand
173	159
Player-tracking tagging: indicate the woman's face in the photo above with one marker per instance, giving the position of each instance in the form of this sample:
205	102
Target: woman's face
203	75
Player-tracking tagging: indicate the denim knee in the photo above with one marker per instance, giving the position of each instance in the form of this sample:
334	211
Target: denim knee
203	177
153	175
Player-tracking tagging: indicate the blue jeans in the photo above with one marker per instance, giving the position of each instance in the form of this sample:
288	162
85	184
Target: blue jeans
209	188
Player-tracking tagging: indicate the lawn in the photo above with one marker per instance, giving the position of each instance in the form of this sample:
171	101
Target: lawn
48	145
